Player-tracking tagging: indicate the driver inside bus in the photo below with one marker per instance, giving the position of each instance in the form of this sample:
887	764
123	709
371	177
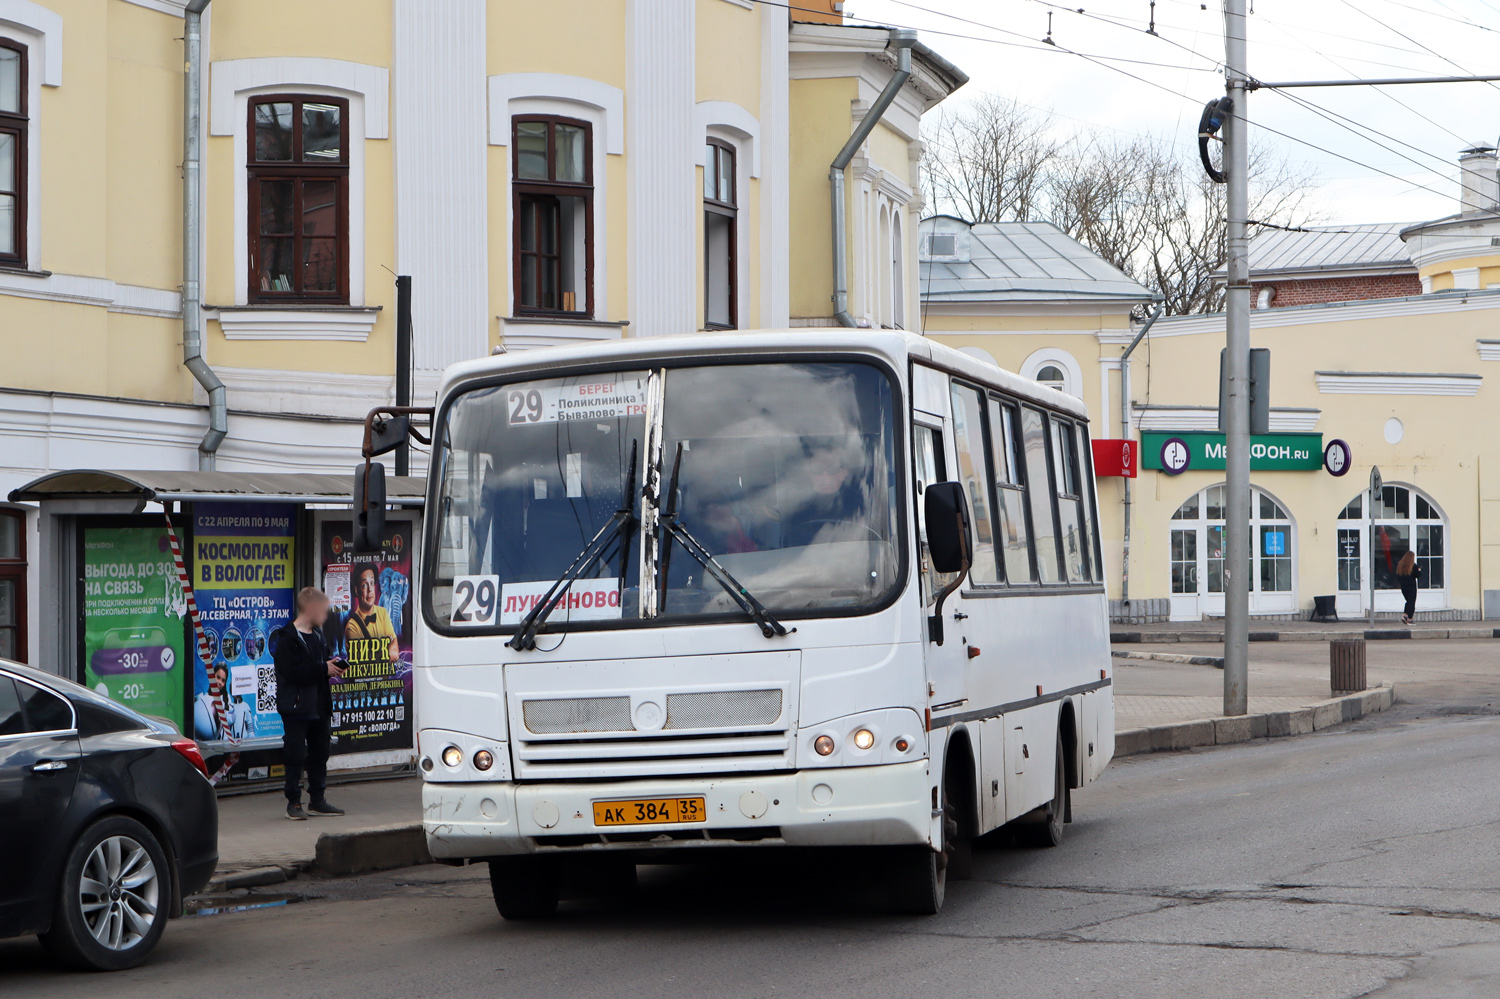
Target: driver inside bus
832	493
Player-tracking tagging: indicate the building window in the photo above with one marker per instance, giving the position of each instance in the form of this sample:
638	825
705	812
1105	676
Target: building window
13	585
298	185
1197	539
13	129
553	241
1404	521
720	216
898	273
1053	377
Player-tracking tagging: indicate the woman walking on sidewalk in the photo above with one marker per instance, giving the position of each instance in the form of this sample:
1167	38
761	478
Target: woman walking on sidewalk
1407	574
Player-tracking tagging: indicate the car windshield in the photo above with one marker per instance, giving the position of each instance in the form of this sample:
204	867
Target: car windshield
785	476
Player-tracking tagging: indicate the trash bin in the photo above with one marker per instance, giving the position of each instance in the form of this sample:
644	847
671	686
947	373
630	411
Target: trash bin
1324	609
1346	666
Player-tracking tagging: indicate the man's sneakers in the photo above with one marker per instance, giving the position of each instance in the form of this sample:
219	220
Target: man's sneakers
322	807
294	811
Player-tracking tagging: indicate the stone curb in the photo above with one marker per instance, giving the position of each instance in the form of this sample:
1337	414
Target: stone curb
381	848
1272	724
1369	634
254	877
1172	657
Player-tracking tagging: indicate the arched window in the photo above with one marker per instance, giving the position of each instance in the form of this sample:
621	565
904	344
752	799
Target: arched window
1405	520
1053	377
1196	553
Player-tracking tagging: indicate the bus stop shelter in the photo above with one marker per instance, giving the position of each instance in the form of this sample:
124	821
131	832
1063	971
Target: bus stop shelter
164	591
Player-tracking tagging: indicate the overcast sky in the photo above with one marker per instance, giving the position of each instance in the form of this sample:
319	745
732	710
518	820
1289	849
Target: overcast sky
1289	40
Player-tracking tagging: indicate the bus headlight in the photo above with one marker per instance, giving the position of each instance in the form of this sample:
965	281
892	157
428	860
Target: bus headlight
864	739
823	745
483	760
453	756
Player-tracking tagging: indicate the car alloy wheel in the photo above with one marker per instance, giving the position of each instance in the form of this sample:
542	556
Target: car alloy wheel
119	892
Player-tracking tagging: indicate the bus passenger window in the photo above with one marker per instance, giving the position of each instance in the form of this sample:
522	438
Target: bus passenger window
1072	527
973	471
1010	493
1043	526
1086	503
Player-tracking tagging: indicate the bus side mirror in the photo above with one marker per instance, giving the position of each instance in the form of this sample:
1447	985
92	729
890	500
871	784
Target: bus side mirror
369	506
949	544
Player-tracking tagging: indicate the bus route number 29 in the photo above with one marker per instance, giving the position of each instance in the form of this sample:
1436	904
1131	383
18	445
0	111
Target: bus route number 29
475	601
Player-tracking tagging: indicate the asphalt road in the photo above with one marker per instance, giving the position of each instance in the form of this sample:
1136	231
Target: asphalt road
1358	860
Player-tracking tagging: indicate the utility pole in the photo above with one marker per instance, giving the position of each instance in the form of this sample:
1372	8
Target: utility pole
1237	555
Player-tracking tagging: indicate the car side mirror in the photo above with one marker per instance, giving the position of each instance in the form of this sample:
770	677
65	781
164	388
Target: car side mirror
388	433
950	543
949	537
369	506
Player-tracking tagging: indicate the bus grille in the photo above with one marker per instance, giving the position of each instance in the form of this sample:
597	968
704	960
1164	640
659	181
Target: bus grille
703	732
569	715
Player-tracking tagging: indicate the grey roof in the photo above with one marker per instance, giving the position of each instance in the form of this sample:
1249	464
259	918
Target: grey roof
1023	262
169	486
1375	247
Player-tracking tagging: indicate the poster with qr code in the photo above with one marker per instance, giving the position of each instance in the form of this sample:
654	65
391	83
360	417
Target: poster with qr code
265	689
241	560
371	626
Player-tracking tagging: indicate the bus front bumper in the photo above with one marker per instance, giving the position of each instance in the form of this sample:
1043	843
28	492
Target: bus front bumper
842	806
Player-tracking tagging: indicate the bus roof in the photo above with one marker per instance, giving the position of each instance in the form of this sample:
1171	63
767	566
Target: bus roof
897	346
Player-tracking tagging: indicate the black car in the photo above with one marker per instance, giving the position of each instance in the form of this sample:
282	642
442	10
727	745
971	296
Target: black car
107	821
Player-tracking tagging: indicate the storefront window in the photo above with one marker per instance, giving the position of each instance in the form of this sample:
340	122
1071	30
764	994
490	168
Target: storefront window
1404	521
1198	548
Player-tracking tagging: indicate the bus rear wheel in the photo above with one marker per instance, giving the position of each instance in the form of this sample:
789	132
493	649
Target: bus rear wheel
1047	828
524	887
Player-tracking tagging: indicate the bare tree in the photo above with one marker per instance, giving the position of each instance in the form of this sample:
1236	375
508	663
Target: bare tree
1140	203
989	161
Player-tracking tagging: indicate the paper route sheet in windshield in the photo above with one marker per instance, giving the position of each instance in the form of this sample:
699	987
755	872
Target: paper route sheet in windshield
604	399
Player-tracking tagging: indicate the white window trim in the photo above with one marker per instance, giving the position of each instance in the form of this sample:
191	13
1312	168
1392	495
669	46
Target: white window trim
40	30
599	104
744	147
366	88
1073	374
1397	383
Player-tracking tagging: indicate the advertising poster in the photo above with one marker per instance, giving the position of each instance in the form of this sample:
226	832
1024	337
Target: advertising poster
371	626
242	578
133	610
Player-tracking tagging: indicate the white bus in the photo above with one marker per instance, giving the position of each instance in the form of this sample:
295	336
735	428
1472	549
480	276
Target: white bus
747	590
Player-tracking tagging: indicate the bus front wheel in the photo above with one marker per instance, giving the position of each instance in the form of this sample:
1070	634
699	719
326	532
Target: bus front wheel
524	887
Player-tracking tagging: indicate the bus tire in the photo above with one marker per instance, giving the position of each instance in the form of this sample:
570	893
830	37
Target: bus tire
1046	829
524	887
958	849
919	881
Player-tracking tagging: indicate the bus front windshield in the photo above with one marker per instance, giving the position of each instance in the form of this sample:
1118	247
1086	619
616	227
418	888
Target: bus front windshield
784	475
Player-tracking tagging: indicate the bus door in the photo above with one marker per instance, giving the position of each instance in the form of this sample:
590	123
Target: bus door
945	663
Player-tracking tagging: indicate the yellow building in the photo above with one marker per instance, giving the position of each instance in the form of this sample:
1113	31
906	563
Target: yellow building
1398	378
658	167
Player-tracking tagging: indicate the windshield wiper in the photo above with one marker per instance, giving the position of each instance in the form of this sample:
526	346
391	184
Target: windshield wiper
672	525
620	524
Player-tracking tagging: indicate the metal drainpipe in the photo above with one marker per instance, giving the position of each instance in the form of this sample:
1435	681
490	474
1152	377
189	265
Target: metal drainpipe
902	40
1125	428
192	281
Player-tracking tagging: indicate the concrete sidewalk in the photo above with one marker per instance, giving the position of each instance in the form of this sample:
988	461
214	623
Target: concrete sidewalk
1304	631
254	832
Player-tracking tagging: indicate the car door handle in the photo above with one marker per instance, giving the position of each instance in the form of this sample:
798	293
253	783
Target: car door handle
50	765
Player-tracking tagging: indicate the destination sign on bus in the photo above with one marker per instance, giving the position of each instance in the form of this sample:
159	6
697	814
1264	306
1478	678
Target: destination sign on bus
600	399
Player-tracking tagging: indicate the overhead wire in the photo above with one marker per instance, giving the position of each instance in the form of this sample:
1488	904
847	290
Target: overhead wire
1105	62
1379	90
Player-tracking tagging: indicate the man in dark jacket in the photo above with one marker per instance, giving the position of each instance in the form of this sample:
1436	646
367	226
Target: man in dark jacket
303	667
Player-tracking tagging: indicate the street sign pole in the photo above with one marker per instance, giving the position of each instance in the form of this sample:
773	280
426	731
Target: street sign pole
1376	485
1237	555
